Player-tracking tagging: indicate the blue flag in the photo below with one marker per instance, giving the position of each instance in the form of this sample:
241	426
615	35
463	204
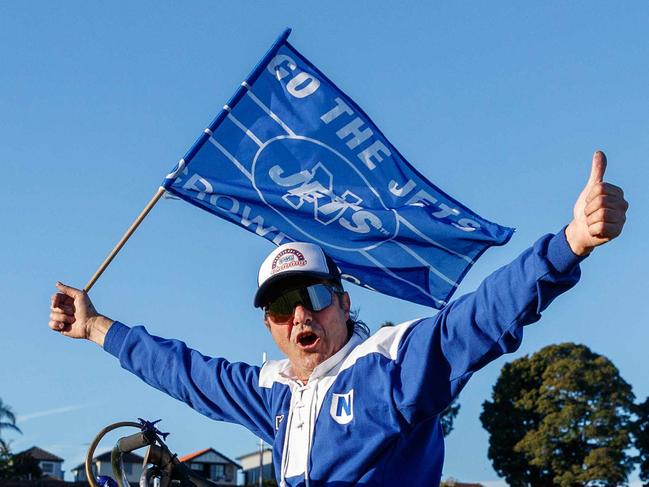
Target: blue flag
292	158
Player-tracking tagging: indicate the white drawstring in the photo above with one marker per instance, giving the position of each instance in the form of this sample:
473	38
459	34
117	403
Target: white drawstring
314	401
289	421
289	424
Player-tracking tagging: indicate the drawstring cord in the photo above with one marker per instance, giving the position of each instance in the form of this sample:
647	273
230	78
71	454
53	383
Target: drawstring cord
314	401
289	422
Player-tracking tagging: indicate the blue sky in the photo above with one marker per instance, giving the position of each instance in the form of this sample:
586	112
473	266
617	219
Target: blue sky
500	105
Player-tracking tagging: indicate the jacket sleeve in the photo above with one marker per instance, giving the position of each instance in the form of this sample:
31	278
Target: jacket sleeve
437	356
212	386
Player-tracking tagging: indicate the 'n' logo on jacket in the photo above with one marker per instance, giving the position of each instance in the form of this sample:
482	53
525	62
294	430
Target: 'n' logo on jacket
342	407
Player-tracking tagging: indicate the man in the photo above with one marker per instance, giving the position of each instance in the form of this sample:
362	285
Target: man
344	409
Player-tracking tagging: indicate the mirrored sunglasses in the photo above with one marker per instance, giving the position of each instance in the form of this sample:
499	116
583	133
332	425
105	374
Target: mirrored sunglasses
315	297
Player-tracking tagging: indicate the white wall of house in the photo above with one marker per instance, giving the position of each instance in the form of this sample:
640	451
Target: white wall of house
220	468
132	470
51	469
251	460
250	466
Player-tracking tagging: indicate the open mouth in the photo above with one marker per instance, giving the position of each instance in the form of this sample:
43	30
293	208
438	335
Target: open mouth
307	339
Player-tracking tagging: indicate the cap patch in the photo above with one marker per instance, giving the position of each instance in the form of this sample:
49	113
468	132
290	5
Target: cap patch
286	259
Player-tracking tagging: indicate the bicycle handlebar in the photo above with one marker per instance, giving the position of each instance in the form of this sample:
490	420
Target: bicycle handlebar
95	442
165	465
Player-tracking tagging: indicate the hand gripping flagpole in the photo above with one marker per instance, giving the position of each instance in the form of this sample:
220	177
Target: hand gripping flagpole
124	239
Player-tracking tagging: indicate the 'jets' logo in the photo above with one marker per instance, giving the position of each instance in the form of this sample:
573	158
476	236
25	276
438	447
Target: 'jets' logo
316	187
312	186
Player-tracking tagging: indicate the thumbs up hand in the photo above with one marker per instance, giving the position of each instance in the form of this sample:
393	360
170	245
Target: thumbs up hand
599	213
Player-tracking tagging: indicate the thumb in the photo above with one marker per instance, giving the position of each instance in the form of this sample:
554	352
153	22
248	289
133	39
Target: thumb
69	291
598	168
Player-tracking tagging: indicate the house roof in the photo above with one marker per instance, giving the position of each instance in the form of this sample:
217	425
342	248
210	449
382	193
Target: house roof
40	454
193	456
254	453
105	457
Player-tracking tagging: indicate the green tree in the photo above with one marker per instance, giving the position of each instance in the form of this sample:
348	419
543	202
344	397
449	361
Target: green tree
560	417
25	467
19	467
5	461
641	439
448	416
7	422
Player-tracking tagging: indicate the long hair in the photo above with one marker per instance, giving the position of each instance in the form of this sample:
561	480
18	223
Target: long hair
354	325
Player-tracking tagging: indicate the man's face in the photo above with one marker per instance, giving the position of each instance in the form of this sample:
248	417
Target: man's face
309	338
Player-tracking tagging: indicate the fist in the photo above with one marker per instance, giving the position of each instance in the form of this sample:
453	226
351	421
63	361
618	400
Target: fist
599	213
71	312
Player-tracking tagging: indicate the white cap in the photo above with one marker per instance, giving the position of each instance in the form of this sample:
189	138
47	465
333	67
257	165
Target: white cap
297	260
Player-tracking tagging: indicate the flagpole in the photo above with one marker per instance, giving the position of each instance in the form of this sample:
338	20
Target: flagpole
124	239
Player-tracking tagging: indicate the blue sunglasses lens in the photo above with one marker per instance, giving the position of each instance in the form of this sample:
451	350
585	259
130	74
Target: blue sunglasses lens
315	298
320	296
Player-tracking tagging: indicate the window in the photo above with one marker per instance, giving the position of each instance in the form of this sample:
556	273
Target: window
252	476
217	471
47	467
197	466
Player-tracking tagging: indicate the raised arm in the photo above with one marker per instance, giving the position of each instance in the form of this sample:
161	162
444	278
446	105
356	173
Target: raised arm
215	387
212	386
438	355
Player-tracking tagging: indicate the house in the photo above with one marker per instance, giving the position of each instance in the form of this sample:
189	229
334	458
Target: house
101	466
208	463
250	466
213	466
49	463
451	482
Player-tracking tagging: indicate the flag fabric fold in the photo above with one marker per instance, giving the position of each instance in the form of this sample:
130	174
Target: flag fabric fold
292	158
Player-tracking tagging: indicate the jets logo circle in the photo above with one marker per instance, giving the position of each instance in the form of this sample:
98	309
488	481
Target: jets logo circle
312	186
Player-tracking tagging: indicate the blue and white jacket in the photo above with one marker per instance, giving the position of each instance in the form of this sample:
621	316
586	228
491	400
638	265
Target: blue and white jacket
369	415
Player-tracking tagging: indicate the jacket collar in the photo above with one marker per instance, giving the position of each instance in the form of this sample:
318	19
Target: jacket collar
321	370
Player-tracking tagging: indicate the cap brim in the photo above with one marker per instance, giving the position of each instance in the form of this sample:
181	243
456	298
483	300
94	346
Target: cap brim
269	287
